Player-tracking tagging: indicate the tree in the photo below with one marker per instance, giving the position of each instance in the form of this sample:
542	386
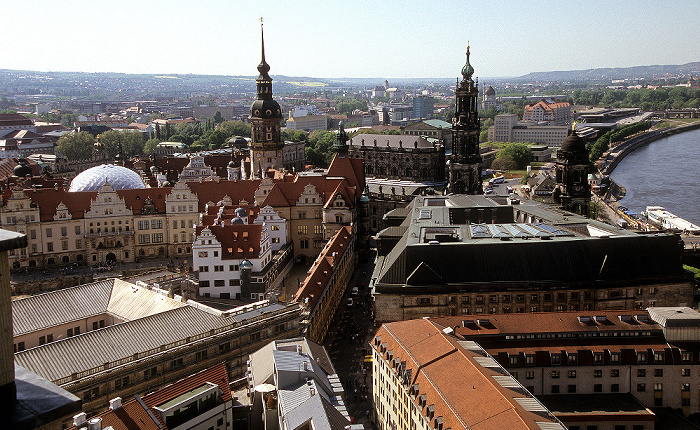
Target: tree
319	148
150	146
218	118
234	128
504	163
76	146
519	153
131	141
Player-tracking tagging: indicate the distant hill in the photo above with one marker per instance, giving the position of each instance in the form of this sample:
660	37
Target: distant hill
636	72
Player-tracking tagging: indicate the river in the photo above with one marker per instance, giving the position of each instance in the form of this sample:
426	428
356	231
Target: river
663	173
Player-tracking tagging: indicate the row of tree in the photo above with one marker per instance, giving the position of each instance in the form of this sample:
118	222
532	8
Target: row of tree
645	98
617	135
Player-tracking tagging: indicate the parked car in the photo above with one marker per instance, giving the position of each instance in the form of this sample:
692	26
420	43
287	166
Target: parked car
355	291
350	303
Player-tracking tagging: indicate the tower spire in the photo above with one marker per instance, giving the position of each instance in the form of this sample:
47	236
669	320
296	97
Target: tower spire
263	67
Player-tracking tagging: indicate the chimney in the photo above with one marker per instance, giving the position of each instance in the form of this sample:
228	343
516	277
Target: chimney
95	424
115	403
80	419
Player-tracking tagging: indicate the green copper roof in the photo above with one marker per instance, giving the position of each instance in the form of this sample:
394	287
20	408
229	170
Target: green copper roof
467	70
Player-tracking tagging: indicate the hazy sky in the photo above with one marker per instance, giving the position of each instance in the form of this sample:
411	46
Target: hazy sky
353	38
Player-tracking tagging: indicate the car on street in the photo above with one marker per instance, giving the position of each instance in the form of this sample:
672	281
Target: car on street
355	291
349	303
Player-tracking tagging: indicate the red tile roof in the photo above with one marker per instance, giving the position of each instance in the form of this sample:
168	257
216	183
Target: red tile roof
237	241
131	416
216	374
463	393
320	273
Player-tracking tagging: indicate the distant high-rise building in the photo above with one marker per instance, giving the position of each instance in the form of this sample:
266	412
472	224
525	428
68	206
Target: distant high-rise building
465	166
423	107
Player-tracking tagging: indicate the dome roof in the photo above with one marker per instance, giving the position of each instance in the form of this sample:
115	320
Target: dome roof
266	108
21	170
573	149
120	178
490	91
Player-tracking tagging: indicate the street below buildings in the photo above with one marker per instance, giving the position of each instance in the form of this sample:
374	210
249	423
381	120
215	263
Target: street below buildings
348	345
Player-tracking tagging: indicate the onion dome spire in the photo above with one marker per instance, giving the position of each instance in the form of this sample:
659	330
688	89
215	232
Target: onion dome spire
263	67
341	141
467	70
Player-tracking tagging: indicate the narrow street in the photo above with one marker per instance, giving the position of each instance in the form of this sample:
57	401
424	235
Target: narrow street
348	344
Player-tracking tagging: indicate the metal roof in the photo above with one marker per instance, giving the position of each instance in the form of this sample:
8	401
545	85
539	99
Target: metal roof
87	351
60	307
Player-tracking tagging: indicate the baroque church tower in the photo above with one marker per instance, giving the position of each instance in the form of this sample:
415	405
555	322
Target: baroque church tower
572	192
465	166
265	121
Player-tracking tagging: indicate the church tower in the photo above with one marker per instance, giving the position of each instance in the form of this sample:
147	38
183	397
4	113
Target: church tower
572	191
465	166
265	122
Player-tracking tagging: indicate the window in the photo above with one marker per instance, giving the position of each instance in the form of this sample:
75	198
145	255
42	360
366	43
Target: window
530	360
203	268
658	356
119	383
614	357
69	332
614	373
219	268
641	387
641	357
202	254
685	387
530	374
304	244
598	373
571	373
157	237
658	386
143	225
156	223
49	338
556	358
275	228
659	373
686	356
598	388
555	389
144	238
201	355
571	388
685	372
49	246
302	229
219	283
176	363
203	284
49	233
555	374
573	359
513	359
641	373
42	340
597	357
149	373
615	388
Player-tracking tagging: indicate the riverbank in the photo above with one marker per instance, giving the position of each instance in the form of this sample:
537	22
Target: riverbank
613	156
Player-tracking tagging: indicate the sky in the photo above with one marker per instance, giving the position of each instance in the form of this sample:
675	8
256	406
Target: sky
353	38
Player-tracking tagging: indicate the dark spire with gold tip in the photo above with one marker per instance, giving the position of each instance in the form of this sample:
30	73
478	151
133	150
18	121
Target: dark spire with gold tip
341	141
263	67
467	70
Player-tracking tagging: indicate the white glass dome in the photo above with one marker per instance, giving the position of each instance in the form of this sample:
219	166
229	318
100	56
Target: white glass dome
120	178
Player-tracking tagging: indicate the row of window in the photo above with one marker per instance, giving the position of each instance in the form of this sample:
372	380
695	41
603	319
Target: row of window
153	224
150	238
598	358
